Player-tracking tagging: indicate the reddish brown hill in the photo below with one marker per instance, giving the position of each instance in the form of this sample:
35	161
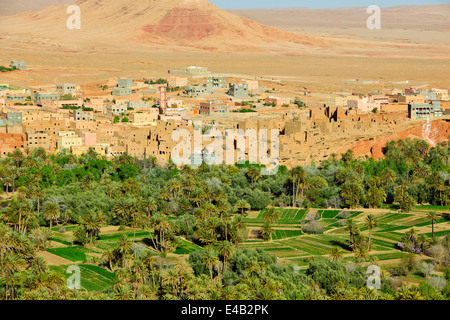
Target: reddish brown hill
186	23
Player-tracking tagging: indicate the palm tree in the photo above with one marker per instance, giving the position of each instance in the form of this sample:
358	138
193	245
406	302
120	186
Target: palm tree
351	192
171	279
387	176
123	248
123	210
361	253
271	214
370	223
412	234
351	227
39	266
422	241
162	226
51	212
210	259
299	178
109	256
26	214
93	223
254	174
266	231
5	244
375	194
336	254
10	265
242	205
434	217
226	250
123	292
405	293
17	157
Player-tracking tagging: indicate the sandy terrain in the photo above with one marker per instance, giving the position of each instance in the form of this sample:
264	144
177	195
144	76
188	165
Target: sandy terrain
146	41
52	259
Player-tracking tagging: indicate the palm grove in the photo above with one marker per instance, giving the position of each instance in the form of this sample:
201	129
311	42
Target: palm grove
206	206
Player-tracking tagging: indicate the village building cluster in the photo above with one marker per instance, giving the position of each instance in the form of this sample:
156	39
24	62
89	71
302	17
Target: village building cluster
139	116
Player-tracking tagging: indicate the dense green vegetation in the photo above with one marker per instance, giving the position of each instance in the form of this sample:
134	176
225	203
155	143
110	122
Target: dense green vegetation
6	69
138	230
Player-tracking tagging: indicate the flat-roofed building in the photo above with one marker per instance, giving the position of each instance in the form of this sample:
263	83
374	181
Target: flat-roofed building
66	88
216	82
195	91
42	98
116	109
79	150
425	110
144	117
277	101
239	90
79	115
121	92
411	99
195	70
178	81
125	83
14	117
89	138
67	139
32	116
9	142
38	139
252	84
206	108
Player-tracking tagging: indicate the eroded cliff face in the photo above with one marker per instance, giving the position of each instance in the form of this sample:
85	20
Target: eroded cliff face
433	132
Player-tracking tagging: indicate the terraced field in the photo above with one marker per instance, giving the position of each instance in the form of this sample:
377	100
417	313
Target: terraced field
292	246
289	243
93	278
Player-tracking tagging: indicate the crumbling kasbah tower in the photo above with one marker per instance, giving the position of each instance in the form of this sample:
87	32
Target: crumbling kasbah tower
163	99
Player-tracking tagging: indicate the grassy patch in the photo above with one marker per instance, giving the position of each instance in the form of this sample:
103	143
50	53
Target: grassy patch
186	247
282	234
432	208
130	235
75	253
329	214
93	278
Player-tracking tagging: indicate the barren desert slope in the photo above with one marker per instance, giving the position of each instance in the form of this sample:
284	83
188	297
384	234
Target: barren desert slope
146	38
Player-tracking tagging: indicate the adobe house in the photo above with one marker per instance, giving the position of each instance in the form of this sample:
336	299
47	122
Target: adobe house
238	90
216	82
66	88
125	83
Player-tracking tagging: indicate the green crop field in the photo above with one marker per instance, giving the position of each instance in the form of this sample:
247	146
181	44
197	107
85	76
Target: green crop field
297	247
288	241
186	247
281	234
76	253
93	278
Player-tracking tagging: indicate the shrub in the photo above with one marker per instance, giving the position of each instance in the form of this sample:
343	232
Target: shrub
437	282
327	273
447	274
344	214
80	235
427	269
341	223
314	227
